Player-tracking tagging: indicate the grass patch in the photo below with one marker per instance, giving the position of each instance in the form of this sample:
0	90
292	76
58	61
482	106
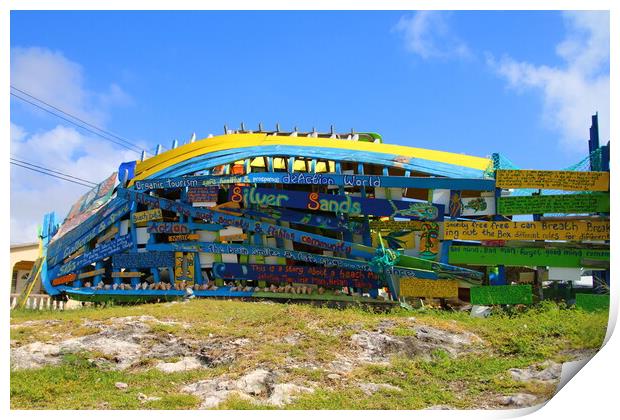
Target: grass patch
304	335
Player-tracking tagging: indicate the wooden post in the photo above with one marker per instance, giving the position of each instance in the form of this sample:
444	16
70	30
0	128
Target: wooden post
500	280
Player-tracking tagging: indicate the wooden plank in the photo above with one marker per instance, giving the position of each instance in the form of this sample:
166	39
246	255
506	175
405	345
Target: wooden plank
561	203
183	267
372	181
109	235
471	206
202	194
396	225
84	233
412	287
67	278
126	274
553	180
91	273
338	203
184	237
147	216
151	259
234	237
306	257
320	241
321	276
526	256
99	253
574	230
165	227
590	263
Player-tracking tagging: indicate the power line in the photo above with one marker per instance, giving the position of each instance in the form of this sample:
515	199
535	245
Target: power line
74	123
50	174
124	140
18	157
51	170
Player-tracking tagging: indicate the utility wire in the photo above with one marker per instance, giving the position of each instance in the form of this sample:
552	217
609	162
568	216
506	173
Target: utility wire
74	123
124	140
51	170
50	174
21	157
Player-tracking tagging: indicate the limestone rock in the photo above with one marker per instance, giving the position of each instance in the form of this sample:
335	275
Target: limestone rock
518	400
186	363
121	385
285	393
548	371
256	382
35	355
370	388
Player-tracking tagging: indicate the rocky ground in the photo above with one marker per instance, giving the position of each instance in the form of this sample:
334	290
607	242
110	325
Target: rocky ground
233	355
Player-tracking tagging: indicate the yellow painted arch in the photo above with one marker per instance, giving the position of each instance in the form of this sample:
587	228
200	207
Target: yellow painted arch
237	141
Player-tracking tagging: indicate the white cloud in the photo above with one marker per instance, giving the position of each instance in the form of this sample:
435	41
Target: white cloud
63	149
427	34
52	77
571	93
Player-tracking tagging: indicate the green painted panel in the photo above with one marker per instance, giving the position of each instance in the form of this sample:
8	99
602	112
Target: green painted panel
501	295
591	303
562	203
530	257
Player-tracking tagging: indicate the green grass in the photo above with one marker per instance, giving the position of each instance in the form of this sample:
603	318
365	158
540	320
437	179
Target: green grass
517	338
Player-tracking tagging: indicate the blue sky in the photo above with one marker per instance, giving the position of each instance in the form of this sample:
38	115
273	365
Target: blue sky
520	83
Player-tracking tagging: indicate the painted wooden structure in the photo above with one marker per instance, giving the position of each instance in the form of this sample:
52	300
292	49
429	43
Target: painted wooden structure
316	216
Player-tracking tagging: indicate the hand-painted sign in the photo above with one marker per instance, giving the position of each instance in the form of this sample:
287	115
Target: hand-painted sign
553	180
147	216
151	259
471	206
396	225
246	224
202	194
91	273
183	267
320	276
372	181
184	237
102	251
339	223
67	278
568	230
126	274
501	295
307	257
336	203
163	227
412	287
401	235
443	270
82	234
561	203
87	205
529	257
